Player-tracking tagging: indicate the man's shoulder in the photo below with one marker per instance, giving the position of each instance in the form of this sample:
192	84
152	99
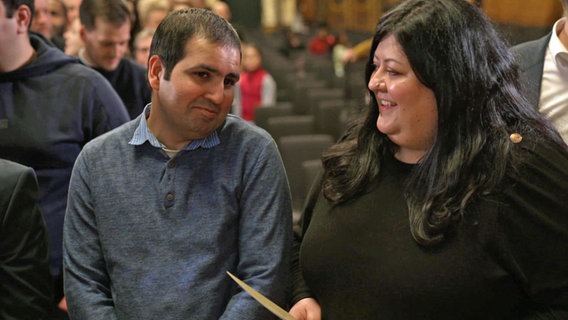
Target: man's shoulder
530	48
11	174
243	135
236	125
11	169
80	73
110	148
532	44
119	135
80	70
531	54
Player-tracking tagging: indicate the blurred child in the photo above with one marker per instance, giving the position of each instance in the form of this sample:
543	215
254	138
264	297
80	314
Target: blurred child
256	87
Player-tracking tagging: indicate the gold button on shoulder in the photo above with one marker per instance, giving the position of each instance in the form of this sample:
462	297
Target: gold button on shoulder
516	137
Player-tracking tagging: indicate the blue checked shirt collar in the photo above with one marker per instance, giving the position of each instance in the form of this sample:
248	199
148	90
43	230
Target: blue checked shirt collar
143	134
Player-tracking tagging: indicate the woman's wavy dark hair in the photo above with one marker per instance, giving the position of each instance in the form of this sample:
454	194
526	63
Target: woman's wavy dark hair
456	52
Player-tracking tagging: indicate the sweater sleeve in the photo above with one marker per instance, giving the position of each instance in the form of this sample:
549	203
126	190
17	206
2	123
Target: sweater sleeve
532	235
86	282
265	222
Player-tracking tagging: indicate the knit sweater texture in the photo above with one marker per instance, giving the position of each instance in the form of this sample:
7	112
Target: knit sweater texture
151	237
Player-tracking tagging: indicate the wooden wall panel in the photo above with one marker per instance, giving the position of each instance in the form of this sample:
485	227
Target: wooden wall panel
358	15
523	13
365	14
338	14
362	15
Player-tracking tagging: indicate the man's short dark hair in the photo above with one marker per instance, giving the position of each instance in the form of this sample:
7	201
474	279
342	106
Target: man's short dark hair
180	26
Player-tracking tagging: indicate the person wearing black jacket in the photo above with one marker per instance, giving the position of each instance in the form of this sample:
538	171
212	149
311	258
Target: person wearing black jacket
26	290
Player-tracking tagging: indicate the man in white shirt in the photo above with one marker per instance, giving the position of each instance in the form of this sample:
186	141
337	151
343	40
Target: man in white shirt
544	68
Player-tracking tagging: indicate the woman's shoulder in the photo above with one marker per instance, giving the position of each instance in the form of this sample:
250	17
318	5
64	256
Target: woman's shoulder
539	174
534	155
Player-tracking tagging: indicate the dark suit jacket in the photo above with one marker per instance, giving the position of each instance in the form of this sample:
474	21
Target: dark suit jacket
530	57
25	279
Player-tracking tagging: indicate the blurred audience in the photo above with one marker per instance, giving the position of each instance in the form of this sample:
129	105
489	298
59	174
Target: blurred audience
223	9
41	22
58	13
322	42
141	50
73	41
152	12
72	7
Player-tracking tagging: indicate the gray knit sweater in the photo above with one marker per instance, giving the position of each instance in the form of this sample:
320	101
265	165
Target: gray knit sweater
149	237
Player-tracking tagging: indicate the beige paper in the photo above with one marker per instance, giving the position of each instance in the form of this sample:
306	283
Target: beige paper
271	306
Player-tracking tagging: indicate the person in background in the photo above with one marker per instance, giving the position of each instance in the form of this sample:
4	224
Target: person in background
105	31
26	290
157	214
197	4
41	22
180	4
58	14
544	66
50	107
152	12
338	52
447	198
223	9
357	52
73	42
292	45
72	8
256	88
322	42
142	43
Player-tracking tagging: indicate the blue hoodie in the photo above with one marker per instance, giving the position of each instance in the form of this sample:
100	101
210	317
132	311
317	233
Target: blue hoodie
49	109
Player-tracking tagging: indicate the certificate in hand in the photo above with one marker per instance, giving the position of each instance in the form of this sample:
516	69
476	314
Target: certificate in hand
271	306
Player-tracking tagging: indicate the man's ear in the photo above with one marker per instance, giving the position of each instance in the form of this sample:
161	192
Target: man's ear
82	32
156	71
23	18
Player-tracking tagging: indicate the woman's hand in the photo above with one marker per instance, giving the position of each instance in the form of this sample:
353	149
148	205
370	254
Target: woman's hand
306	309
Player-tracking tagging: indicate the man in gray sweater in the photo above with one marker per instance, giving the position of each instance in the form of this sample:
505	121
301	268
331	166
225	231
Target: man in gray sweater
162	207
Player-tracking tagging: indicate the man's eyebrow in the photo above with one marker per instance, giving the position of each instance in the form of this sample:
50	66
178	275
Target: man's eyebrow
232	75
